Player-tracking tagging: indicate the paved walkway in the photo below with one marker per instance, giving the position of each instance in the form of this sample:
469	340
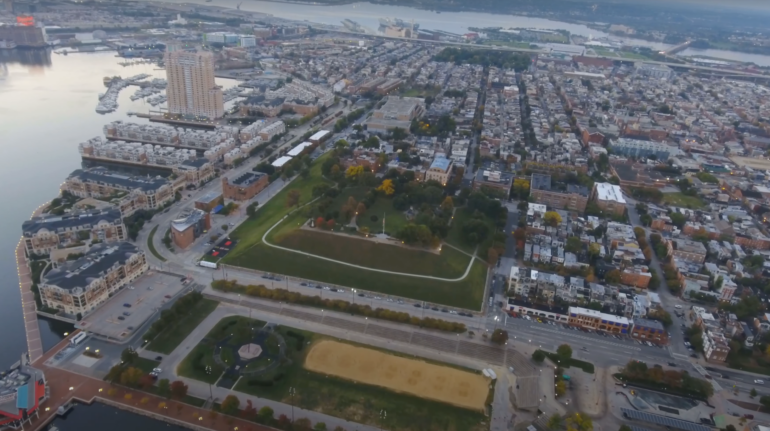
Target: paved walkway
366	268
28	306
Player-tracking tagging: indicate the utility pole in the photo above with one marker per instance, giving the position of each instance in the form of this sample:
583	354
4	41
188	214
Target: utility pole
291	394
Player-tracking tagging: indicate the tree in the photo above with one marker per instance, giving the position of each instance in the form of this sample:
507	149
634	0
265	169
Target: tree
765	401
520	188
178	389
561	388
360	208
230	405
624	428
398	134
574	245
114	374
319	426
552	218
499	336
564	352
612	277
386	187
447	205
753	393
354	172
678	219
554	422
292	199
579	422
492	256
131	377
594	249
538	356
164	388
128	356
265	414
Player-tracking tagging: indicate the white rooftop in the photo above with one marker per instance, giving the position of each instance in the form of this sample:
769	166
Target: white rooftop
319	134
281	161
609	192
298	149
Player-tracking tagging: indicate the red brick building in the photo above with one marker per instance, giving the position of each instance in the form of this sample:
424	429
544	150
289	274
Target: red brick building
244	187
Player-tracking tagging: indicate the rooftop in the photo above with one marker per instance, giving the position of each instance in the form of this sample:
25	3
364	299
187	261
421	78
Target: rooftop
279	162
246	179
74	219
609	192
187	218
99	259
104	176
441	162
541	182
319	135
647	323
299	148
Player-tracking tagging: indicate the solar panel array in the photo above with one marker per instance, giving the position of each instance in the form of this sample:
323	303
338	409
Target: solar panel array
635	428
663	420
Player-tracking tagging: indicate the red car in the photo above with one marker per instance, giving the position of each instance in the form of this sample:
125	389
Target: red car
167	296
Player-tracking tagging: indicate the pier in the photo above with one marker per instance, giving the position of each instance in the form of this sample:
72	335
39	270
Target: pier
28	306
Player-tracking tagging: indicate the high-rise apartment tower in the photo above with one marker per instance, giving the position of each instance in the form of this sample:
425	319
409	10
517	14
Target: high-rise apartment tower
191	88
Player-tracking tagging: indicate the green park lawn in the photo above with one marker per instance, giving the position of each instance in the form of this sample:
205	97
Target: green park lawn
682	200
350	400
173	336
252	253
195	363
455	235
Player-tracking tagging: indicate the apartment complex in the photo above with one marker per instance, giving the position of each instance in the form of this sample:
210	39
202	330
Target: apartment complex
573	198
638	148
245	186
191	88
596	320
396	112
80	286
687	250
132	193
609	198
46	233
649	330
195	172
439	170
191	224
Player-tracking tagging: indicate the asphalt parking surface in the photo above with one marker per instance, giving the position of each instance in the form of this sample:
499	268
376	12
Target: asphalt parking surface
148	294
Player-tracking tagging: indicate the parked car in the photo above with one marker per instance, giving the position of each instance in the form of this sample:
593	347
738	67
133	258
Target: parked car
759	382
126	313
127	305
121	318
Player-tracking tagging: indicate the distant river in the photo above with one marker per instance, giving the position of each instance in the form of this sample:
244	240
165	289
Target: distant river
368	15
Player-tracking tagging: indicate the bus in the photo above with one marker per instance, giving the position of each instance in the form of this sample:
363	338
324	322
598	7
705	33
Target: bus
77	339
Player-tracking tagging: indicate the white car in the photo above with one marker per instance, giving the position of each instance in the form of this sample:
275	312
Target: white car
678	307
157	370
759	382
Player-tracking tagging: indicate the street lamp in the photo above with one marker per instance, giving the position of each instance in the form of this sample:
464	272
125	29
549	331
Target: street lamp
292	392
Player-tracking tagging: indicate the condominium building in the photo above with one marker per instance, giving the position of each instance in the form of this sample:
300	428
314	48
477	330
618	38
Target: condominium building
396	112
80	286
245	186
687	250
130	193
650	330
596	320
574	197
715	346
191	89
609	198
191	224
46	233
638	148
439	170
195	172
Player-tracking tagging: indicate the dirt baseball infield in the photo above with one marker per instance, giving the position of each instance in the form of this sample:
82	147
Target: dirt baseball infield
445	384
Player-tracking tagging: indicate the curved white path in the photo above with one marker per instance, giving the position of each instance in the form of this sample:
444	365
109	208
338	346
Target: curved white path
264	239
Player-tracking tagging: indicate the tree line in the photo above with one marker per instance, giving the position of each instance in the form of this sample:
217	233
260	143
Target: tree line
337	305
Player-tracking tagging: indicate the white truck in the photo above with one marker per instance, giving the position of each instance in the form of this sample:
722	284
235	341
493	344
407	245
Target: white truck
205	264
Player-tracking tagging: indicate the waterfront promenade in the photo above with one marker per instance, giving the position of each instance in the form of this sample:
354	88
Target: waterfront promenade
66	386
29	309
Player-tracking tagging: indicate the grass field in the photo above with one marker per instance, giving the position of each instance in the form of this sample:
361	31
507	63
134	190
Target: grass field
449	264
351	400
682	200
145	364
202	356
252	253
169	339
394	219
521	45
151	246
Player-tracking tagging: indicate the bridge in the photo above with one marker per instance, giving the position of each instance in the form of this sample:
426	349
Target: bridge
679	48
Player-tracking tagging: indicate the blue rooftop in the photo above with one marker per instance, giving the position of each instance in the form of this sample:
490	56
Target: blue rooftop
440	163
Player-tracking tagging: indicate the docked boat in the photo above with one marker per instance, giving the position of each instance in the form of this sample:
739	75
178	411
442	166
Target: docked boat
7	44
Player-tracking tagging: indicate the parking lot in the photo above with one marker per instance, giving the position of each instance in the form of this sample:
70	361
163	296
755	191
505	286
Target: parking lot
132	306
